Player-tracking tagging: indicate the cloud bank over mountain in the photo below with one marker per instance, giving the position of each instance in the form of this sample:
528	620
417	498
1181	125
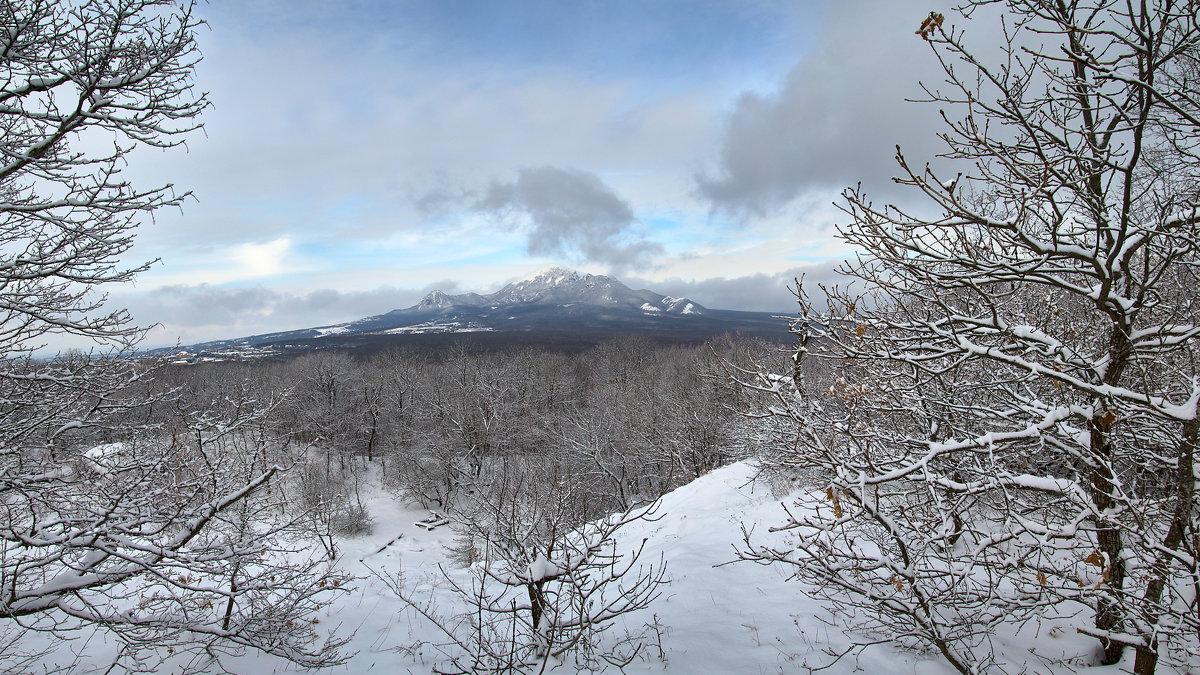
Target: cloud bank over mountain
692	145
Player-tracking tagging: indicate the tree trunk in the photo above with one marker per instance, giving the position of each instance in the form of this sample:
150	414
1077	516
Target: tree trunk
1108	535
1108	538
1185	488
232	594
537	603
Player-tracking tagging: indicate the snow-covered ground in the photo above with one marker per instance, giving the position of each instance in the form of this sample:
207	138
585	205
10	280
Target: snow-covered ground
717	618
737	618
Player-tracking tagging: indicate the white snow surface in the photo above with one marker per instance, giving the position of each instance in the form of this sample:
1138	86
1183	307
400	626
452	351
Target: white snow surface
101	457
436	327
718	618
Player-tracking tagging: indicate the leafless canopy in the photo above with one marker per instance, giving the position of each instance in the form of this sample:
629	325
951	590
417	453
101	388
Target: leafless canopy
1006	421
120	509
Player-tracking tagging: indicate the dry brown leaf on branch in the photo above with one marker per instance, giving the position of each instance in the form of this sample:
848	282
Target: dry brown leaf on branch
929	25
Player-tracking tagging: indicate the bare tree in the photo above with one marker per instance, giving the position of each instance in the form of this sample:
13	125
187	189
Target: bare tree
469	417
109	519
545	582
1010	424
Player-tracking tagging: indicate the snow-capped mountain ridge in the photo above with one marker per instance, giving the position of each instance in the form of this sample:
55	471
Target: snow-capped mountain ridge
438	300
562	286
554	306
552	275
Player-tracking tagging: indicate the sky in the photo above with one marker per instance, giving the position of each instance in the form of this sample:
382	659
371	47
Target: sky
359	154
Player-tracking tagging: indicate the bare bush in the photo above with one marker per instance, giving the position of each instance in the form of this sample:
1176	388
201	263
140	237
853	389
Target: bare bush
546	584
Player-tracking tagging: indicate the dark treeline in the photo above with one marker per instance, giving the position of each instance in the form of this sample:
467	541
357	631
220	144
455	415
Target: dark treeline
619	424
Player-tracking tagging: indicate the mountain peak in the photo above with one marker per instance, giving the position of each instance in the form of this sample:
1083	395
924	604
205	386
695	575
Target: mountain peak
562	285
553	275
556	301
436	300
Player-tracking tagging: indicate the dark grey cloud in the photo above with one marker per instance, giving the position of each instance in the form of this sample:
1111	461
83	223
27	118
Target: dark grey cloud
835	120
199	313
570	212
440	200
200	305
751	293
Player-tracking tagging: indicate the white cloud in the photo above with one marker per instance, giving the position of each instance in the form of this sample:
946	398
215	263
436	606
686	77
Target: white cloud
227	264
260	260
315	154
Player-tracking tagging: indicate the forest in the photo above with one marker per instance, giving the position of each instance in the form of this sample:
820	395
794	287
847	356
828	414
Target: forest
617	426
228	474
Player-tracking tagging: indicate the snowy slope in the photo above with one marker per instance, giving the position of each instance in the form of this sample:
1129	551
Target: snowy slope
740	617
719	618
737	618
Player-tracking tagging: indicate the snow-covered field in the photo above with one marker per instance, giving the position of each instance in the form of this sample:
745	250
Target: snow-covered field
716	618
738	618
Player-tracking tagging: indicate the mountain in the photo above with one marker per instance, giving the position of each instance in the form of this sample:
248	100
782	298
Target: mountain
556	307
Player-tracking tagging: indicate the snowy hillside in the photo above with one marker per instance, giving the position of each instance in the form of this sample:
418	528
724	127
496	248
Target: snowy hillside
714	617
